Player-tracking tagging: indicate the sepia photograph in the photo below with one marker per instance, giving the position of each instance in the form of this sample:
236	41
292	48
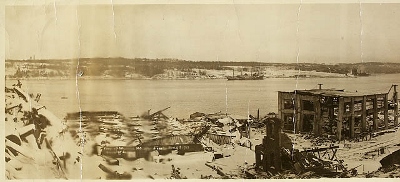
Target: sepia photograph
193	90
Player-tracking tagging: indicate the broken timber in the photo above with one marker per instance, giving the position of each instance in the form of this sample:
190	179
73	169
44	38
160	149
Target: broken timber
158	115
218	170
114	174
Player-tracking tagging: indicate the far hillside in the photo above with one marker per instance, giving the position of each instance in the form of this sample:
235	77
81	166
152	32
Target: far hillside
143	68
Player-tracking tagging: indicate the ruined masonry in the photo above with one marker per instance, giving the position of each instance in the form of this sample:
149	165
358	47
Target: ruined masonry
337	112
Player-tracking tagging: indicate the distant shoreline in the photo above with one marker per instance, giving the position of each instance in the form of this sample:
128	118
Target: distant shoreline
101	78
265	78
168	69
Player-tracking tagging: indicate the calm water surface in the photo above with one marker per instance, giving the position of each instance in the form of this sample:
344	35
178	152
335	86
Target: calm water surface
134	97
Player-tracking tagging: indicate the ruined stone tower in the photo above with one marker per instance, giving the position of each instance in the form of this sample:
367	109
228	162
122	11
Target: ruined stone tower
268	156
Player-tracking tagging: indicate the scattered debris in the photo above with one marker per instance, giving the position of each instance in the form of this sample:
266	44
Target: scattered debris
218	170
176	174
114	174
31	133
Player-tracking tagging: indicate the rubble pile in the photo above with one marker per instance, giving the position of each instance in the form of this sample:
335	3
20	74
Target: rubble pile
321	140
251	173
34	139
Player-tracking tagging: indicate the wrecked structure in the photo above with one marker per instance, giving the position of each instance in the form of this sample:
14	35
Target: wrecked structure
36	145
337	112
276	153
163	145
268	153
156	115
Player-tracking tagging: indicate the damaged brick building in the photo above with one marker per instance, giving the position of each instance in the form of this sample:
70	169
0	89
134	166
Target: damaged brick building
337	112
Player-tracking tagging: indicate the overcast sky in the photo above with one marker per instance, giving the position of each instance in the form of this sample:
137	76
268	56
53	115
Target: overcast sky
327	33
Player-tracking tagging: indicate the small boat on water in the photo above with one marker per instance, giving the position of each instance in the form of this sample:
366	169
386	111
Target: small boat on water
246	77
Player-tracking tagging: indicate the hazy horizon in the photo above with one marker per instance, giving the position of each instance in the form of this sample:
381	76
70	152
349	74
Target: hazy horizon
327	33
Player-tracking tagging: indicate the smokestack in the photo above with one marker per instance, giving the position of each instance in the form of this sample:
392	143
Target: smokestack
320	85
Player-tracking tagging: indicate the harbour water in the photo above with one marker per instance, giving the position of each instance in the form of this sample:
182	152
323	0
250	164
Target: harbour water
134	97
